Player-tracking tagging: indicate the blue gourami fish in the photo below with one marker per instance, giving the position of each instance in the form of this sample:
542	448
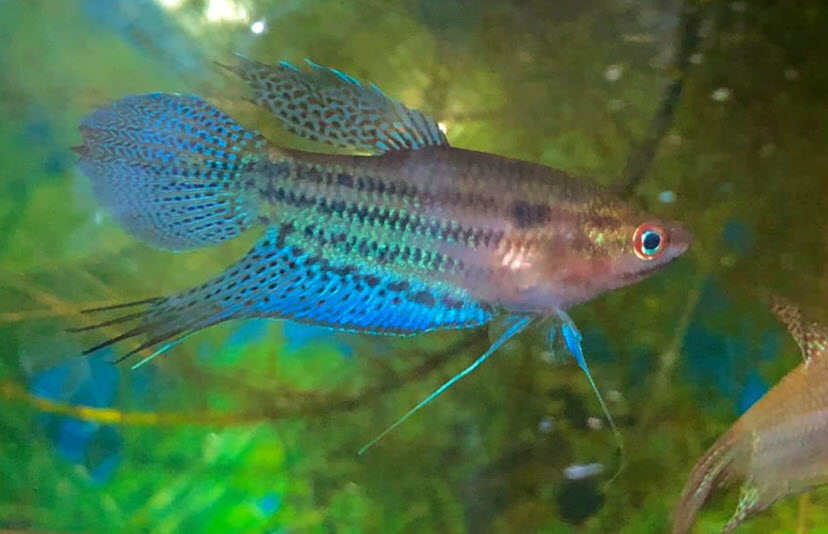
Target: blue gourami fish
413	236
779	447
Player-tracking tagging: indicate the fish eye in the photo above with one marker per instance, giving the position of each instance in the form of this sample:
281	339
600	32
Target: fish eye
649	241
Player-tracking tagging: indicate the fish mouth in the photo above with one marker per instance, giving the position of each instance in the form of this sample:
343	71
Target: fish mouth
640	274
680	237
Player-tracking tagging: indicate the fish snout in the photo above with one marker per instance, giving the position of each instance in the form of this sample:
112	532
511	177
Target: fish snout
680	237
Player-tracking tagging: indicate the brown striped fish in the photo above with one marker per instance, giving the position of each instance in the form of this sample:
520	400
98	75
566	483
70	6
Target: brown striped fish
779	447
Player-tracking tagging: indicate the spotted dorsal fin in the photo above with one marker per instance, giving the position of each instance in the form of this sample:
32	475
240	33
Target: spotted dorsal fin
326	105
811	337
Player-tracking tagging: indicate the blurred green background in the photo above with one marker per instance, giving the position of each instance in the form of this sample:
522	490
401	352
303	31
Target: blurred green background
714	113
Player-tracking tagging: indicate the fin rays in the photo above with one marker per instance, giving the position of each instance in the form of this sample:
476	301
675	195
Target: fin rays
280	278
324	104
122	305
171	168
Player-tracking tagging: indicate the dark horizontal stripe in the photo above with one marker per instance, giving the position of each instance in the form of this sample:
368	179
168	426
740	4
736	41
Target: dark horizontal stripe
382	254
367	184
391	219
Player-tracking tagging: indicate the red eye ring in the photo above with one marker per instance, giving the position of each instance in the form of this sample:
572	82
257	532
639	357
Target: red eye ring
649	241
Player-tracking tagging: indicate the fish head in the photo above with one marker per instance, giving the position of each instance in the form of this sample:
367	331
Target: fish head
610	251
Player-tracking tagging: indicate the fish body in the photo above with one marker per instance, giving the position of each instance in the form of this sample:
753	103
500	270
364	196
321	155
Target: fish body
507	234
778	447
413	237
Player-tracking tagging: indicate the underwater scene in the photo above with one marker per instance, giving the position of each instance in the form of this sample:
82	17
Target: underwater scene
451	266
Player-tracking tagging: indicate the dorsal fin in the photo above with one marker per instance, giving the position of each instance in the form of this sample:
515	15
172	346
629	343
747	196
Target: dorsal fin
324	104
811	337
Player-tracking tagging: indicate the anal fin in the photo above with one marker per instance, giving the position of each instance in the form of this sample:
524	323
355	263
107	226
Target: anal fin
278	278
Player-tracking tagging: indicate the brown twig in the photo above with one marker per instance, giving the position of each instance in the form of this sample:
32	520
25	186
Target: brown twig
643	153
300	405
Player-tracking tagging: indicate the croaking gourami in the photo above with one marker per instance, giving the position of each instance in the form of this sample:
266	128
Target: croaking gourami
411	236
778	447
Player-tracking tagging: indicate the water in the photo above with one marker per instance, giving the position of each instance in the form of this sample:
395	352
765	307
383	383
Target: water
715	117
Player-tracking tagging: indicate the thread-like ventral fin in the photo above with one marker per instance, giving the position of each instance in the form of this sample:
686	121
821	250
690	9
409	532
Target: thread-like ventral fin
517	324
326	105
172	169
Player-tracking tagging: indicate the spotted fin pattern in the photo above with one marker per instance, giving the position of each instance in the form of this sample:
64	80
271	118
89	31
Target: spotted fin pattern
324	104
170	168
280	279
811	337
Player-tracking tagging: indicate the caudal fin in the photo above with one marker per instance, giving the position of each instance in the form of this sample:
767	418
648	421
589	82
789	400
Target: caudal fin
715	469
172	168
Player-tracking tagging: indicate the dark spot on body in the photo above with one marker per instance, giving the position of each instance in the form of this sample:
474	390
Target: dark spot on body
398	286
424	298
451	303
527	215
341	271
345	180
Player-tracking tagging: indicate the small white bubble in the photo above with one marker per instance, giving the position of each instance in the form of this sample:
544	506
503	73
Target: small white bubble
546	425
614	395
443	126
258	27
721	94
550	357
613	73
640	38
667	197
595	423
171	4
728	260
697	58
578	472
738	7
791	74
225	11
616	104
524	56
